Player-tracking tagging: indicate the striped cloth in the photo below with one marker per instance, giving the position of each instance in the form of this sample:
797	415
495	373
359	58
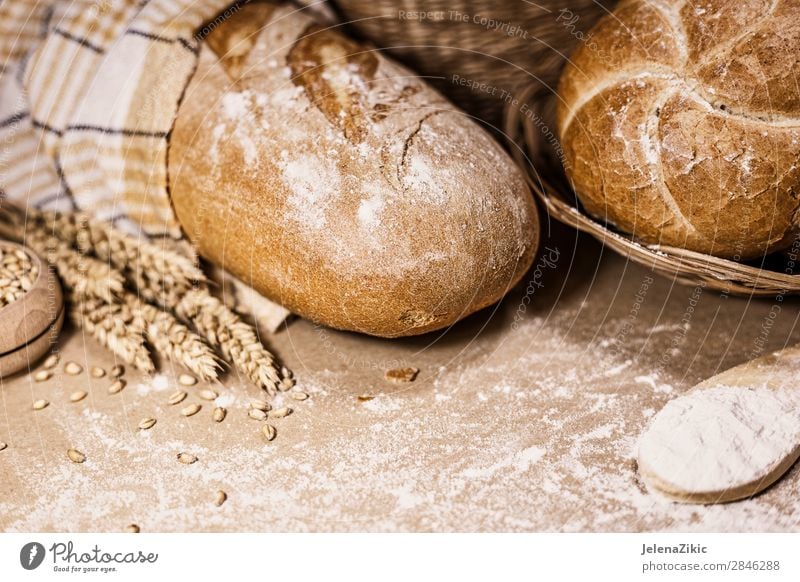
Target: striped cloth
89	90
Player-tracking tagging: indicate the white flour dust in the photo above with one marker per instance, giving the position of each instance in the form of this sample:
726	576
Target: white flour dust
721	438
536	432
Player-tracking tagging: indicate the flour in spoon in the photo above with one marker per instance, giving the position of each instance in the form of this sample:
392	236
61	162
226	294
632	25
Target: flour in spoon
721	438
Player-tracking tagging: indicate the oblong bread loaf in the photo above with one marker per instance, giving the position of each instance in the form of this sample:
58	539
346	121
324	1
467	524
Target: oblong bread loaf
338	184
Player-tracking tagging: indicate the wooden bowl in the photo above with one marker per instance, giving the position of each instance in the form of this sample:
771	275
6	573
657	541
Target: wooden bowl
30	325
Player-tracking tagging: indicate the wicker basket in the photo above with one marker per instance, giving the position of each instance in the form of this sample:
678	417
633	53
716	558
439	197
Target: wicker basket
495	47
530	127
528	68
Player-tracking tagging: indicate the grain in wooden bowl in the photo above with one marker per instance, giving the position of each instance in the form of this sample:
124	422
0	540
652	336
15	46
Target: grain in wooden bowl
31	308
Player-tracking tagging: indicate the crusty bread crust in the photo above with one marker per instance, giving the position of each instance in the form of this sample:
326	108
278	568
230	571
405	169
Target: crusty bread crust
338	184
680	124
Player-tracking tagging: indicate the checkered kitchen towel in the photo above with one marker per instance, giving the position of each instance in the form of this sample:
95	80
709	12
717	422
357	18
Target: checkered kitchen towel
89	90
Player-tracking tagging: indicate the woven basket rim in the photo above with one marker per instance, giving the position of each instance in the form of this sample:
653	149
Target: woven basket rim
685	266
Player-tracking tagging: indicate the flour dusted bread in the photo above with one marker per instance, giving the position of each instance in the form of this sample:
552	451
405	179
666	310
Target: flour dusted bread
680	123
339	185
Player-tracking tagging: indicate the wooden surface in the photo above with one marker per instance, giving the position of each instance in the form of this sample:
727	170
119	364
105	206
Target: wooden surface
523	418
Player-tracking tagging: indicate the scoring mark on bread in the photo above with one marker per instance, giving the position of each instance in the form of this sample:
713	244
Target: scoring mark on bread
381	110
407	144
652	140
394	159
234	38
335	73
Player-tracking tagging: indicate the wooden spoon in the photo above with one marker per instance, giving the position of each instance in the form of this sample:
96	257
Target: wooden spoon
730	436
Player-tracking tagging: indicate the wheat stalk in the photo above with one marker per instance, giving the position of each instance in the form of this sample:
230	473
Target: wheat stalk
113	326
173	340
237	341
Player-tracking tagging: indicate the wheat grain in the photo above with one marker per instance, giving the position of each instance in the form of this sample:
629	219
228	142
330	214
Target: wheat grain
269	432
220	498
40	404
73	368
286	384
77	396
117	371
17	274
97	372
219	414
43	375
187	380
401	375
208	394
177	397
300	396
50	362
191	410
280	412
262	405
116	386
257	414
132	528
3	446
147	423
186	458
76	456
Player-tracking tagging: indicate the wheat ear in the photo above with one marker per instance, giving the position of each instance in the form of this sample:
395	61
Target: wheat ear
173	340
161	276
113	326
236	340
156	266
84	276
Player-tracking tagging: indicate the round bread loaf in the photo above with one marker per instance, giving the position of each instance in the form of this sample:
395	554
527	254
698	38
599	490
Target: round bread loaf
679	123
341	186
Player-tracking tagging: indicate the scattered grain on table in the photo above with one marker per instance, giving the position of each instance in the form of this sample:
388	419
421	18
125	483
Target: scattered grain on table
73	368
